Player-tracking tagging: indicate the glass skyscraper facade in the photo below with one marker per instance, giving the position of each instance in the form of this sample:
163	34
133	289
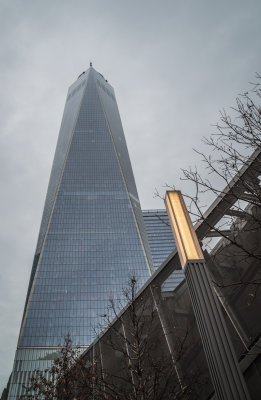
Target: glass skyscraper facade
160	235
92	236
161	243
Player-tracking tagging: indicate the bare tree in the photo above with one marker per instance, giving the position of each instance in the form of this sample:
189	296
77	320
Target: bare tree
44	384
233	167
134	359
145	373
129	361
234	146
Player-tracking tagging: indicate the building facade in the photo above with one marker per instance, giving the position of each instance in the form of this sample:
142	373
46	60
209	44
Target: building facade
160	235
162	244
92	237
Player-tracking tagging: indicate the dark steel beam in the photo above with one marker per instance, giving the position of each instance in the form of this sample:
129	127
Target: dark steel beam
238	214
219	233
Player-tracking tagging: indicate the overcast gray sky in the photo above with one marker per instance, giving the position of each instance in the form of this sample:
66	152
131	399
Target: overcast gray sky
173	64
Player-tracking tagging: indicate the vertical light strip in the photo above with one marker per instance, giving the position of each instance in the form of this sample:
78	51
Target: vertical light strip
185	237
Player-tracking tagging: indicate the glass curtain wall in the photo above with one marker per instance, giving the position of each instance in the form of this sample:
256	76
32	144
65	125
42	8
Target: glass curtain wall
92	237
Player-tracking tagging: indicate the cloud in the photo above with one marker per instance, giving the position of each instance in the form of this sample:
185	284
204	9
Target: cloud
173	66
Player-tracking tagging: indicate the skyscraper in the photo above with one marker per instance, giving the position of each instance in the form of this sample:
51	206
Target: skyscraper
160	236
92	236
161	242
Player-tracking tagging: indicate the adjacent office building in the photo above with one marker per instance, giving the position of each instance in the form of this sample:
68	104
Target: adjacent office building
92	236
160	235
161	242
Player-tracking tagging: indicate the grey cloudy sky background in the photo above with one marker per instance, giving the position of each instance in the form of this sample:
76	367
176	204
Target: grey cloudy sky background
173	65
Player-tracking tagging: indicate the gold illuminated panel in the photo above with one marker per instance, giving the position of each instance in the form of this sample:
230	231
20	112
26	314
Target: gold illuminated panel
186	239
